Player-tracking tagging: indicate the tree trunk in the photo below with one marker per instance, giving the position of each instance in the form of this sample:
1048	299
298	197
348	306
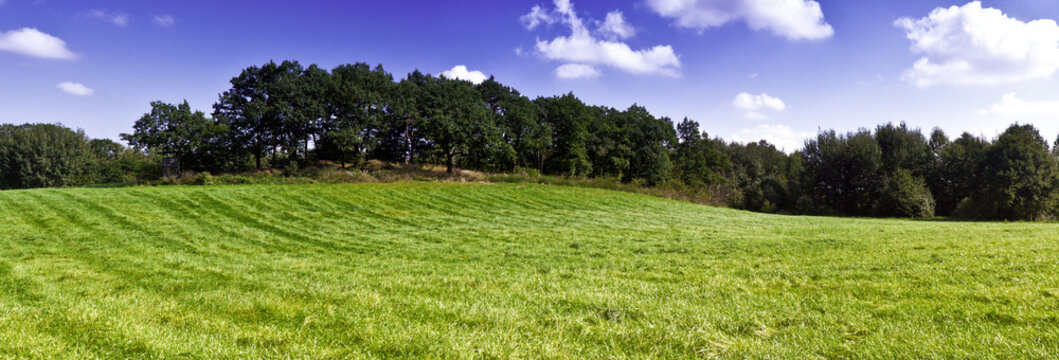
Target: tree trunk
448	161
408	141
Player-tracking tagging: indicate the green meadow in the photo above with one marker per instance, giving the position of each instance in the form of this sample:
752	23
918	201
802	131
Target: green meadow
507	271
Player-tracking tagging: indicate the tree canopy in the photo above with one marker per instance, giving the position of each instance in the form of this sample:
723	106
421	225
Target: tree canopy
286	115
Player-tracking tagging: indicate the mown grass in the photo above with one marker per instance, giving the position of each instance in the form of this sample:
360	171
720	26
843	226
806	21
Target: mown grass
479	271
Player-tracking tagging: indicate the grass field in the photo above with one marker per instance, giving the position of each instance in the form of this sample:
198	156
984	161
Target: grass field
444	270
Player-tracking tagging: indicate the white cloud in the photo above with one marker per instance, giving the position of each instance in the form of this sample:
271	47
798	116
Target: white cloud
164	20
754	115
1011	106
615	27
32	42
76	89
536	17
755	104
117	18
460	72
583	48
577	71
971	45
791	19
782	136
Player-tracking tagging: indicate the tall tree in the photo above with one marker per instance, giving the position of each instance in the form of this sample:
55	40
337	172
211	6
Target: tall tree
567	116
454	110
844	171
360	99
650	141
959	175
698	161
1019	175
259	109
517	119
903	148
175	130
758	173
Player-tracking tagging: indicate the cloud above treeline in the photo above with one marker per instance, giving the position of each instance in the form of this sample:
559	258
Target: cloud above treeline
754	106
584	51
790	19
34	43
972	45
1015	108
460	72
782	136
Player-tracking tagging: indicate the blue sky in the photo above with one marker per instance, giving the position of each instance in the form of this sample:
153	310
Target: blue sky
744	69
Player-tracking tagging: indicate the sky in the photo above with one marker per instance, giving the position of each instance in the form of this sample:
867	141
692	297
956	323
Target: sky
779	70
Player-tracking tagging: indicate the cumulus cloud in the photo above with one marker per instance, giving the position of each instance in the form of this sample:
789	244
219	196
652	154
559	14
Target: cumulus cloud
164	20
1044	114
791	19
755	105
116	17
577	71
1011	106
782	136
73	88
33	42
971	45
615	27
461	72
583	48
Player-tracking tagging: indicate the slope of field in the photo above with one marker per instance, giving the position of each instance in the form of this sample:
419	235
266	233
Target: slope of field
434	270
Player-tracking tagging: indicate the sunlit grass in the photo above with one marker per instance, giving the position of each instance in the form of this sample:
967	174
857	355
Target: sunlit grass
442	270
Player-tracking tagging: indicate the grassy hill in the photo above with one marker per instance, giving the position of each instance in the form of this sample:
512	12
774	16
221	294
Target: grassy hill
443	270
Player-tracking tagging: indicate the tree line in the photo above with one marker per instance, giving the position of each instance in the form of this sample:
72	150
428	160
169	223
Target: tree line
285	115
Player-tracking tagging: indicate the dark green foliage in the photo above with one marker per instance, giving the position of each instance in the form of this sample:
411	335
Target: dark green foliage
259	110
112	163
650	140
958	176
195	141
400	139
359	98
289	117
903	148
698	160
1019	175
905	195
568	117
844	170
516	118
454	113
42	155
608	145
759	176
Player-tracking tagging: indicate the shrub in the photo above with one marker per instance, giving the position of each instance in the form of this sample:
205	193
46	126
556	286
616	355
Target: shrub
905	195
203	178
42	155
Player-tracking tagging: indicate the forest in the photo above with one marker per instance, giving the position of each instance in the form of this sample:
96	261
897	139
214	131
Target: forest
288	116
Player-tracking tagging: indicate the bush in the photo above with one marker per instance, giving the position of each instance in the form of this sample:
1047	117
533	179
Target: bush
203	178
905	195
524	171
42	155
